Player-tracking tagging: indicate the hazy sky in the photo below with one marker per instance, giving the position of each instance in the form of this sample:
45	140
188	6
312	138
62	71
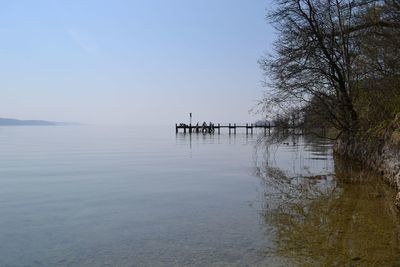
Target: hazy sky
117	62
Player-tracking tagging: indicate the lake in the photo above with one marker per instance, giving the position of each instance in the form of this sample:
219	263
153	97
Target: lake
130	196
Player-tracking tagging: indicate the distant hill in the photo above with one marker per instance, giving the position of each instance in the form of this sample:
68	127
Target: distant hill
15	122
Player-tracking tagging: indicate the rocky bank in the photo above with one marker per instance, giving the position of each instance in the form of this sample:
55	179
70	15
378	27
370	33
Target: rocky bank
379	150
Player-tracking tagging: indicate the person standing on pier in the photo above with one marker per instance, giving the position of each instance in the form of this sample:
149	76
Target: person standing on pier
204	129
210	128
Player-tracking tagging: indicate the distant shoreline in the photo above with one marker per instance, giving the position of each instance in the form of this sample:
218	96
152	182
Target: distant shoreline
16	122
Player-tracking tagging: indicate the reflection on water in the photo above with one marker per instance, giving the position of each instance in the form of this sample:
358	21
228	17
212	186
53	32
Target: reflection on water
330	215
122	196
100	196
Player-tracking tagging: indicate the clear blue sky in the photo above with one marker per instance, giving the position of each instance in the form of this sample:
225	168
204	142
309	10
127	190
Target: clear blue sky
126	61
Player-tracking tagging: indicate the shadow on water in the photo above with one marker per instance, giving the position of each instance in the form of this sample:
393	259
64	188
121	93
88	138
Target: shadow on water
332	213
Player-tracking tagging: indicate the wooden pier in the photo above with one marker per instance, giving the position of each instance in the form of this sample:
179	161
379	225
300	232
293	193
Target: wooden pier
188	128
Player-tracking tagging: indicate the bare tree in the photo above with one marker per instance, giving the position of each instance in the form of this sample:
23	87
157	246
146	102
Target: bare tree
379	32
316	56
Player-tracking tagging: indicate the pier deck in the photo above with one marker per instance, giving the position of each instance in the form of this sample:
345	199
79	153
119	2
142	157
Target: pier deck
216	128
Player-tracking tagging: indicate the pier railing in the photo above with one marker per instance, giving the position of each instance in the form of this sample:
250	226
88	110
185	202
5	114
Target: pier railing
216	128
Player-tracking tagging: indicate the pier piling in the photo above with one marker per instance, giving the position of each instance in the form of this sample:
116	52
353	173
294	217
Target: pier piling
212	128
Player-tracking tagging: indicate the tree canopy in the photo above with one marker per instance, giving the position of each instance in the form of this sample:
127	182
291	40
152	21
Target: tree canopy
335	62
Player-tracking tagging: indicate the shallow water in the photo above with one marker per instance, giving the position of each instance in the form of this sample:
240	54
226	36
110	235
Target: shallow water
120	196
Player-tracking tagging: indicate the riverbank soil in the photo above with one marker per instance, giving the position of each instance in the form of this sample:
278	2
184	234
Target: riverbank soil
378	149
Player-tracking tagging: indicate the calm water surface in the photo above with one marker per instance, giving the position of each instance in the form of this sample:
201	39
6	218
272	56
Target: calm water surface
120	196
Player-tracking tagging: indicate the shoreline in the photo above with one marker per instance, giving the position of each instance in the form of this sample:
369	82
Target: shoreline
380	154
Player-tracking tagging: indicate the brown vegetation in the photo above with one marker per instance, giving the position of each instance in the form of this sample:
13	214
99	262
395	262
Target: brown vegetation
337	63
